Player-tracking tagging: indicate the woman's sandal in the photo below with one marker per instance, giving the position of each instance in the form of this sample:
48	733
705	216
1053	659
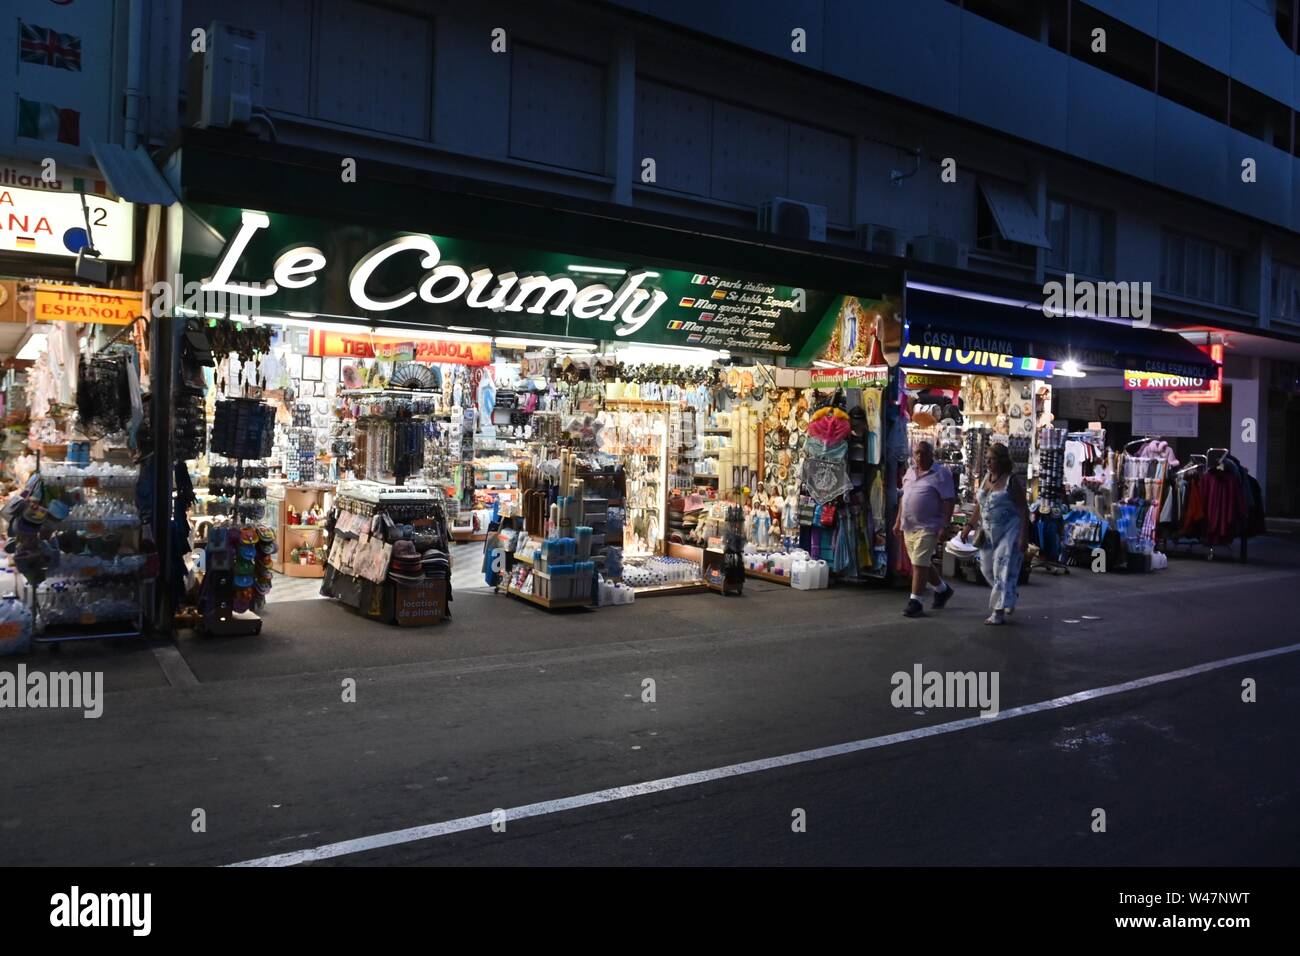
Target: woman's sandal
995	618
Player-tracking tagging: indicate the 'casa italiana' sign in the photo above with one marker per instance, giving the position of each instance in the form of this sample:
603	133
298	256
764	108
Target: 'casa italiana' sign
299	265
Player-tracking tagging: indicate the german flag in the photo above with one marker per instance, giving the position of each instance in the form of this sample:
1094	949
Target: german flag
686	303
24	242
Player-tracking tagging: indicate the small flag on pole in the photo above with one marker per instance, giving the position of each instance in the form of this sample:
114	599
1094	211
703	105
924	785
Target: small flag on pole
45	121
46	47
96	186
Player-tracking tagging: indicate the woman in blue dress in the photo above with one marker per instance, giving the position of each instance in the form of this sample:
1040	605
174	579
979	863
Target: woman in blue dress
1002	514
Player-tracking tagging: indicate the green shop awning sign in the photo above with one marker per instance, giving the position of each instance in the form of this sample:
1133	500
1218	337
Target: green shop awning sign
298	264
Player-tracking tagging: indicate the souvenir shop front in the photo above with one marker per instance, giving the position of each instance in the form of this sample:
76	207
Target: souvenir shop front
608	427
976	371
76	542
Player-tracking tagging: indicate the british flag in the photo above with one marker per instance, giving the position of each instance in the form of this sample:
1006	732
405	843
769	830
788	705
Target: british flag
47	47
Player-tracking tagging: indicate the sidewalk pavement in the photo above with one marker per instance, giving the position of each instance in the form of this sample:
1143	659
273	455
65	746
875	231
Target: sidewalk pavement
319	636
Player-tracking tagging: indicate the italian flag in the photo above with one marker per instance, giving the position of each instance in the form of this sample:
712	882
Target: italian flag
45	121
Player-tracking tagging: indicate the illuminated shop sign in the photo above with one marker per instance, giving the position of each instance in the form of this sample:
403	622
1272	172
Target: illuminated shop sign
920	381
283	263
1155	381
1181	389
357	345
978	361
65	303
850	376
52	223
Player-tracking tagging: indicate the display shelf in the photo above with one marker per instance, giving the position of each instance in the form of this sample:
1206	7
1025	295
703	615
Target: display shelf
547	602
300	570
681	587
62	633
768	576
302	498
96	524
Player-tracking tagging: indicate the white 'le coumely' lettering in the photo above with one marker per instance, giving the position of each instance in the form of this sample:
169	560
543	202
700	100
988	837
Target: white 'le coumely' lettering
295	268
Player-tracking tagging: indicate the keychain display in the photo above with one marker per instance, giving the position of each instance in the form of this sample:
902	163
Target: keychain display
243	428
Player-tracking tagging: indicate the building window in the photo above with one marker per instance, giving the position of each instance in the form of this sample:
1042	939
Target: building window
1260	116
1082	238
1130	54
1192	84
990	240
1286	292
1198	269
1042	20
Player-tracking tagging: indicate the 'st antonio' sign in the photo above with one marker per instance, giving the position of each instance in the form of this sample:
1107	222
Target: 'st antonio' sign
296	264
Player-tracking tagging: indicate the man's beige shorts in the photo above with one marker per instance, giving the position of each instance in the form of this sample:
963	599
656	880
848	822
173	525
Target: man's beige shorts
921	546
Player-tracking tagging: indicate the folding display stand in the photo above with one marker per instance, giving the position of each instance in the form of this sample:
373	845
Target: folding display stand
241	432
217	595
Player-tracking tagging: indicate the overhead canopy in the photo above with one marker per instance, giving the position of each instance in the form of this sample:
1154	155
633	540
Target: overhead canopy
442	247
133	175
937	320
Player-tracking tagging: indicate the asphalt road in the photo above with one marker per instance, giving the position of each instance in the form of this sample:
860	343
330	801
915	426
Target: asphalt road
508	706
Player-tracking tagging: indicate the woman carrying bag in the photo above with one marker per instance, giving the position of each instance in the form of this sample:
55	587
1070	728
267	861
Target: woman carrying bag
1002	516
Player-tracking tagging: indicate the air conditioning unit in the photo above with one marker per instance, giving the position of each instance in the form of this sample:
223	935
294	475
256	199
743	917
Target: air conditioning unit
794	220
939	250
884	240
225	81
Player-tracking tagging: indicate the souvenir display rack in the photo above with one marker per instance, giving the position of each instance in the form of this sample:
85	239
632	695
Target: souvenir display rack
368	525
94	586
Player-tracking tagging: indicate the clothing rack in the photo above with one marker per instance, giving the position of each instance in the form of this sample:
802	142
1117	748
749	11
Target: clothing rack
1199	464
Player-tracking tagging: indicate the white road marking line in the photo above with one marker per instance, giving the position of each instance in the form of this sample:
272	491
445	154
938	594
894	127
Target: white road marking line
431	830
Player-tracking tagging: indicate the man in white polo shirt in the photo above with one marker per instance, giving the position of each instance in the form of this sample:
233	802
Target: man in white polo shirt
924	511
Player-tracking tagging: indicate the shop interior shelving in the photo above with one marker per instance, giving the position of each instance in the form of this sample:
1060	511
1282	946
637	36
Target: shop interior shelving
293	536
